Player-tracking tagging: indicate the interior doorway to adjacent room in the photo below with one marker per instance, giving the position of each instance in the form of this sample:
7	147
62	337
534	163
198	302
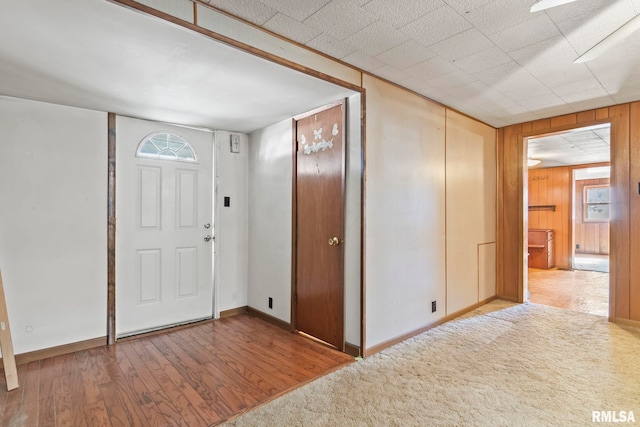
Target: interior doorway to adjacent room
568	219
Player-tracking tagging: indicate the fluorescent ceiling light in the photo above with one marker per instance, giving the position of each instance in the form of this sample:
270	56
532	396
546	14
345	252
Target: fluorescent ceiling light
533	162
547	4
608	42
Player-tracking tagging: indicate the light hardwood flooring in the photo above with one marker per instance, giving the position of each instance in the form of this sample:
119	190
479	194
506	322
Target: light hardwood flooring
584	291
199	375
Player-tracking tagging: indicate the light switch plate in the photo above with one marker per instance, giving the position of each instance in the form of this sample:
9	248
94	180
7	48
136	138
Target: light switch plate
235	143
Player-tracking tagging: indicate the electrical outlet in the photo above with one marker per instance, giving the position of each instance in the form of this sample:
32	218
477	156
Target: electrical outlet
270	302
577	246
433	306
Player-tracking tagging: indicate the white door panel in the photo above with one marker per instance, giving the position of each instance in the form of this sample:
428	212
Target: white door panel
163	264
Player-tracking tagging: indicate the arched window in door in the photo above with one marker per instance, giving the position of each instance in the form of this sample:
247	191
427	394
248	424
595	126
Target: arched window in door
166	146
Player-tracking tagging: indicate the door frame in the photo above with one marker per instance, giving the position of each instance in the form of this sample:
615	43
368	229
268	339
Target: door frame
523	198
111	224
294	204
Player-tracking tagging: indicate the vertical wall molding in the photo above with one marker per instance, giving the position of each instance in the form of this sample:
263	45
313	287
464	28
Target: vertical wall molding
111	230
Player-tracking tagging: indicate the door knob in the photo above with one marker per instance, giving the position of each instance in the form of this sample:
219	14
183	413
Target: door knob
207	238
334	241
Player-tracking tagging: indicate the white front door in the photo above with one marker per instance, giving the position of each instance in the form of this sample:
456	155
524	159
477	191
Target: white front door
164	273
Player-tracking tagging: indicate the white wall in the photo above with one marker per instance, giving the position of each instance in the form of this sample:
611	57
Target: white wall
471	211
270	220
231	244
405	211
53	222
270	198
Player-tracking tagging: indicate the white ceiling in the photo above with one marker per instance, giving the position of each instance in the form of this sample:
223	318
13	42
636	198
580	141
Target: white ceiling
98	55
575	147
491	59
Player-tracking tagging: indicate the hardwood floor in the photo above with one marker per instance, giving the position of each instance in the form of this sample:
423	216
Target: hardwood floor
584	291
194	376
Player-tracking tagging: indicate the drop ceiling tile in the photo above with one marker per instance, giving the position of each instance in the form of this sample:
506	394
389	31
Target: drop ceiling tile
363	61
483	60
377	38
541	101
541	56
406	55
498	73
340	19
431	68
560	76
534	30
462	44
392	74
521	85
628	95
553	111
251	10
398	14
290	28
436	26
300	11
498	15
331	46
580	90
471	92
588	22
465	6
451	80
415	84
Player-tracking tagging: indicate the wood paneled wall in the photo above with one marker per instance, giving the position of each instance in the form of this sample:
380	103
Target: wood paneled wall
589	237
552	186
625	175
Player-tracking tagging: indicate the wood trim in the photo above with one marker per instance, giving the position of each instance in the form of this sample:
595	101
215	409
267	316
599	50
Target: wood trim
111	229
386	344
132	4
627	322
634	205
500	273
6	344
233	312
363	221
268	318
352	350
294	219
59	350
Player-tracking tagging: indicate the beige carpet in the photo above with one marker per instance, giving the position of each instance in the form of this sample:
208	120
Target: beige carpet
503	364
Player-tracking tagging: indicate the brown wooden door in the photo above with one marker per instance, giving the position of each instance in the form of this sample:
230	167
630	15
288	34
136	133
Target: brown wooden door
319	222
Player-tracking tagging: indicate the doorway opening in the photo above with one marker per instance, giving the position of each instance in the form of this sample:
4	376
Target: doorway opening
568	219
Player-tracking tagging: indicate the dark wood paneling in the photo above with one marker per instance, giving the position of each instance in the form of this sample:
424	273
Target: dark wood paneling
551	187
510	212
620	239
624	294
634	204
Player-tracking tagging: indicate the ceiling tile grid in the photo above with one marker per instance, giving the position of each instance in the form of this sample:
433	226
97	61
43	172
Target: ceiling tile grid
456	50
